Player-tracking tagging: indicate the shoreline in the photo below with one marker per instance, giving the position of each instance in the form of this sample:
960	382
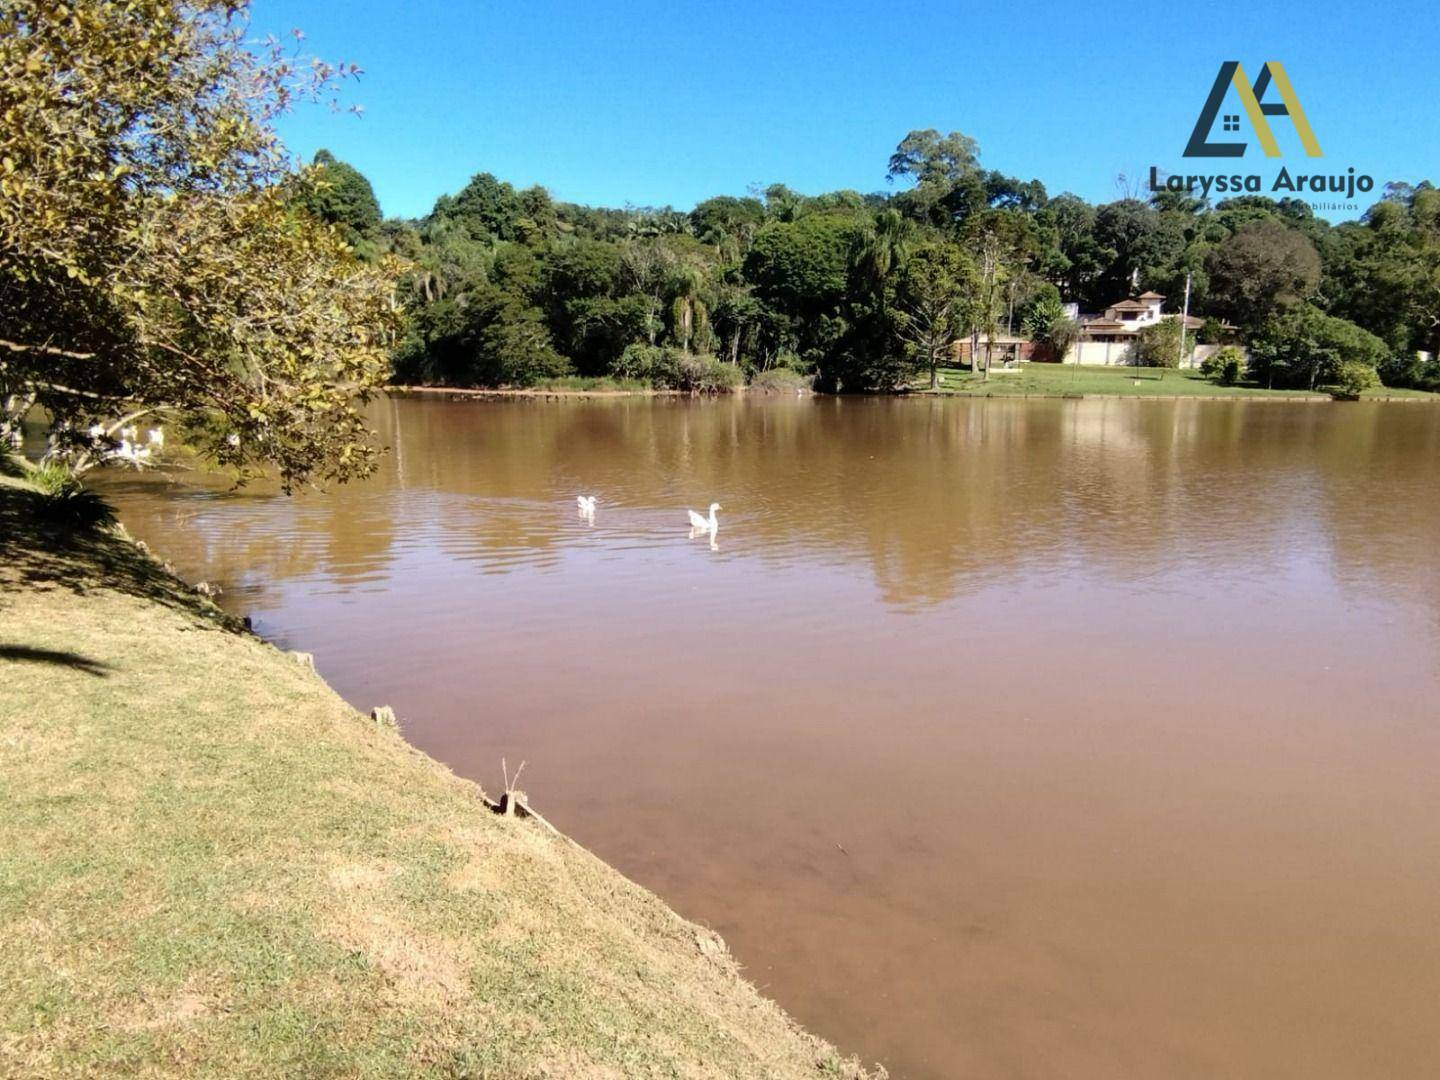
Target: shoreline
538	394
503	393
215	857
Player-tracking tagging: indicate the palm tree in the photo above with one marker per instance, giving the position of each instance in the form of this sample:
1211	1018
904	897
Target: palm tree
687	310
883	246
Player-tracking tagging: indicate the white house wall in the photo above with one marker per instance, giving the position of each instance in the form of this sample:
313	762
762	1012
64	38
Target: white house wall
1101	353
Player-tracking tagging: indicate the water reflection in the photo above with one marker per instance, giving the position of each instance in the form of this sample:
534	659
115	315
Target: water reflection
935	498
1024	738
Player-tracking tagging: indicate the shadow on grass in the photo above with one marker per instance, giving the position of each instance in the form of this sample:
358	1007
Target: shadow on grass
39	555
25	654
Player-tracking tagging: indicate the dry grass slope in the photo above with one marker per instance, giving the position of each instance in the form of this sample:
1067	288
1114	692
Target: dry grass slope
210	864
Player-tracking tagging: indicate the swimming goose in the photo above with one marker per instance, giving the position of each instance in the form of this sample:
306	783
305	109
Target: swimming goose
586	505
698	522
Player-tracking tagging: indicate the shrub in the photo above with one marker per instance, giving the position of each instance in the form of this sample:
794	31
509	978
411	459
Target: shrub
1308	348
589	382
650	364
780	380
1354	377
707	375
1234	366
1158	345
63	500
1225	366
671	369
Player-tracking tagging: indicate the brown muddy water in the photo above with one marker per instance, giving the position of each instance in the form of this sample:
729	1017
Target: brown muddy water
999	738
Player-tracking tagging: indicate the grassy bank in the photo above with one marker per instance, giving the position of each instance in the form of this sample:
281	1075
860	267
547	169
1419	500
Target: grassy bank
210	864
1054	380
1028	380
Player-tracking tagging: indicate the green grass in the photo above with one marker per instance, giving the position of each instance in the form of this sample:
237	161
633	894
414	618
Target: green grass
1390	393
1068	379
210	864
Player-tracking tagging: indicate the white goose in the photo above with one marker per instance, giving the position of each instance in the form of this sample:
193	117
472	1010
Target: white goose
710	524
586	505
128	451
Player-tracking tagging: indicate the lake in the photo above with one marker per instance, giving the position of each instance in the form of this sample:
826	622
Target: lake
998	738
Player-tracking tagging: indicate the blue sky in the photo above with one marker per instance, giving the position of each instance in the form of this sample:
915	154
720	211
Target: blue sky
655	103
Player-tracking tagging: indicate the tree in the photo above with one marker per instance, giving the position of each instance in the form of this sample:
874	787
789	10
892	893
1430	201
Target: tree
728	223
950	186
487	207
152	260
509	344
882	246
802	265
1051	328
1159	345
689	315
538	220
577	283
1071	222
1262	269
338	194
1306	347
647	266
1002	242
1139	244
738	319
933	290
930	158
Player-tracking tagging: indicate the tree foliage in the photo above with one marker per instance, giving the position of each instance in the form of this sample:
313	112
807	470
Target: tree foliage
849	288
338	194
1262	268
1307	348
1160	345
1051	328
936	294
153	255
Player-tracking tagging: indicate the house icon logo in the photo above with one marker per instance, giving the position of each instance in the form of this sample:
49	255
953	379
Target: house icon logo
1256	109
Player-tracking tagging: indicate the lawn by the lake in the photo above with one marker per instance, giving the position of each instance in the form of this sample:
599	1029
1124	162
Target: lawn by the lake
1071	379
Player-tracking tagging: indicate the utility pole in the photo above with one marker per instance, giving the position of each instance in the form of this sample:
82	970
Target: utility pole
1184	318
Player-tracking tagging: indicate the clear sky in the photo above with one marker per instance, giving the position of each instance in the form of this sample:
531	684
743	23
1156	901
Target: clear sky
654	103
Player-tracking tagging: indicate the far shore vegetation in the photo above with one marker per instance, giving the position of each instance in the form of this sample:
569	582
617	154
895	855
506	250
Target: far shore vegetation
858	292
863	292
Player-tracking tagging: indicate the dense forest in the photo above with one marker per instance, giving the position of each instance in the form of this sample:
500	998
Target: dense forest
865	291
